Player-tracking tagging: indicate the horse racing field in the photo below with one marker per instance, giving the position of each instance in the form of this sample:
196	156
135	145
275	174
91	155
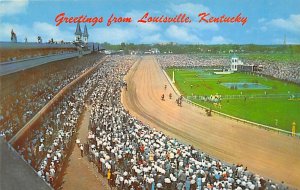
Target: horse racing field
255	98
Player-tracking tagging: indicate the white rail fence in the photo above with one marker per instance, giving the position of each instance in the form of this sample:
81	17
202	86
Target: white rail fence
266	127
291	96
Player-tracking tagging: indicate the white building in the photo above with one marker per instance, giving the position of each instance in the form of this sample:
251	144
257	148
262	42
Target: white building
154	51
235	62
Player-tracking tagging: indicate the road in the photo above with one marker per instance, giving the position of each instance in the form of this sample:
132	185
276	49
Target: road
269	154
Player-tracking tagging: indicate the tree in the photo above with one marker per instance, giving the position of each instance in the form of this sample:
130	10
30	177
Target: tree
123	45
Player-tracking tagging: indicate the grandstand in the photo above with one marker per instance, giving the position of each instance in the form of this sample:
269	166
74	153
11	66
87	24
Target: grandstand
15	173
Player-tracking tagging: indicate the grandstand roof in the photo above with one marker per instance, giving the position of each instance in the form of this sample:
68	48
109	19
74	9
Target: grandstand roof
96	45
15	173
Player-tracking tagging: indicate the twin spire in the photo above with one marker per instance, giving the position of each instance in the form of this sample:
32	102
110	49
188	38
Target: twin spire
85	32
79	35
78	31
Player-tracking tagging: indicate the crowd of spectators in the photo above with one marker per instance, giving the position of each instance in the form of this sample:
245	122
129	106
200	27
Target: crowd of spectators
47	146
284	71
20	105
190	60
134	156
131	155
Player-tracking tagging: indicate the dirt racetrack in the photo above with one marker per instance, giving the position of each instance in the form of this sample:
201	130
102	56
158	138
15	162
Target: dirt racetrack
267	153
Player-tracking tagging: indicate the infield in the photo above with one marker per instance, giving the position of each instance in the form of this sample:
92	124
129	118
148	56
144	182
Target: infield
255	98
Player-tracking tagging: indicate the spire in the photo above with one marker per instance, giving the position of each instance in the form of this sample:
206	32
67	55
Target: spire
78	30
85	33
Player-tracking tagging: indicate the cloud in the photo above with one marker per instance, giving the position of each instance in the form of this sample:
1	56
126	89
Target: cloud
292	23
117	34
132	32
143	27
6	29
156	32
196	26
155	38
12	7
261	20
48	31
135	14
148	27
114	35
43	29
263	28
192	10
219	40
181	34
189	8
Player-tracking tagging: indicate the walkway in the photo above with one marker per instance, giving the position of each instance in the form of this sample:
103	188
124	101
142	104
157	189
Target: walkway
80	173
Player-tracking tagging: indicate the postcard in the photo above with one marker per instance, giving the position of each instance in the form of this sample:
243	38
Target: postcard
149	94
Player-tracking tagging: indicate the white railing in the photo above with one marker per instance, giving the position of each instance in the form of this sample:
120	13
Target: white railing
230	116
291	96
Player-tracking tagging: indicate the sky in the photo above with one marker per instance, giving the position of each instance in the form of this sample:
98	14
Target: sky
269	21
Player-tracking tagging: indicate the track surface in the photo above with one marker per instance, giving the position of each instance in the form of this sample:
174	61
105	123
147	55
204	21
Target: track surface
269	154
80	173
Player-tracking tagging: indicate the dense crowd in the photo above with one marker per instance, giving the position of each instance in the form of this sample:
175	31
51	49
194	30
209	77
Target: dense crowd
20	105
131	155
47	145
283	71
190	60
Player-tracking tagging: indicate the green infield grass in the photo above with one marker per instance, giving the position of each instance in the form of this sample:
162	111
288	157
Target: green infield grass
255	98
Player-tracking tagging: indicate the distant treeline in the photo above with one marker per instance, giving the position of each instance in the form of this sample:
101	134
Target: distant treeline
284	53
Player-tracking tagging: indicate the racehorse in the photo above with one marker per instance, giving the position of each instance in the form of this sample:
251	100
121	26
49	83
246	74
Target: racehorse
165	86
179	101
163	97
208	112
170	95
